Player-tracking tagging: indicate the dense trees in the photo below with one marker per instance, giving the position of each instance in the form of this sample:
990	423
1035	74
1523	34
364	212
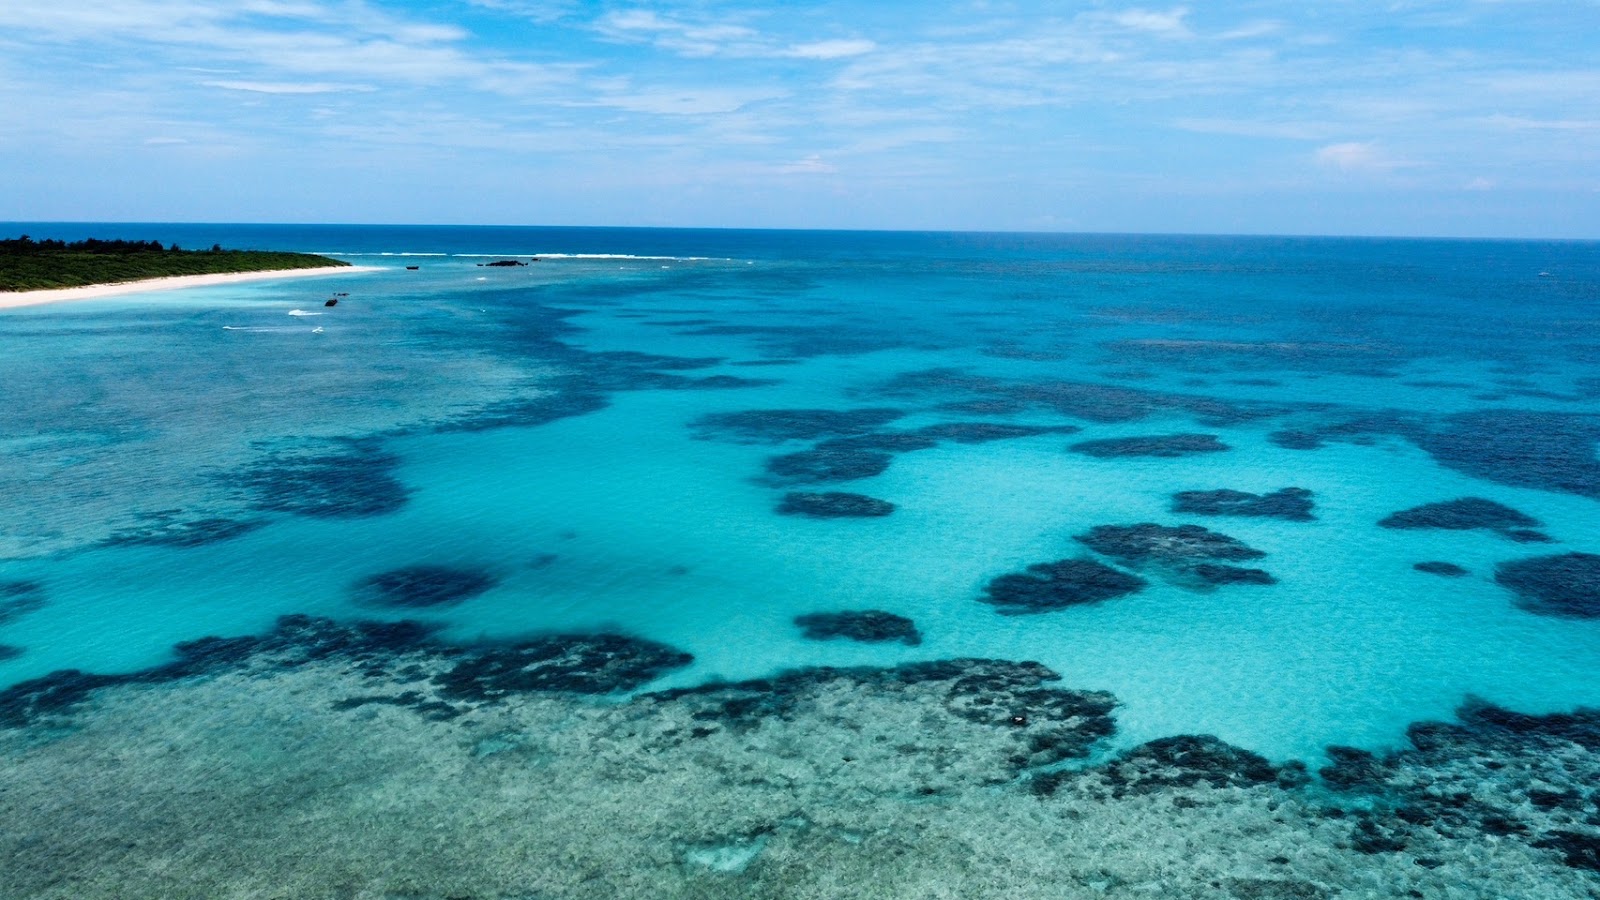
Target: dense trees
27	264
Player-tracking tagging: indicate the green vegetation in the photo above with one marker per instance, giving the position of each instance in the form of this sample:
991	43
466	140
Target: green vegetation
27	264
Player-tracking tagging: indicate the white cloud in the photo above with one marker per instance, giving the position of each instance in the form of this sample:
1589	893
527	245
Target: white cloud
1166	24
810	165
286	87
1480	184
1357	156
835	49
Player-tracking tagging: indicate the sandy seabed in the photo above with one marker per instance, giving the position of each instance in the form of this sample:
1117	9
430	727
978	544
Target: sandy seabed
396	776
12	300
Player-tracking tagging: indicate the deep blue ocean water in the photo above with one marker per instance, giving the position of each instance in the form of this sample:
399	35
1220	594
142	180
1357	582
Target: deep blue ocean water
597	437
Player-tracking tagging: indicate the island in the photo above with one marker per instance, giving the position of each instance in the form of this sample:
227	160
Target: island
30	265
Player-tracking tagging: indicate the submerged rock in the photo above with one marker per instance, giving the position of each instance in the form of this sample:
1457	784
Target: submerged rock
1009	701
1057	585
568	663
773	426
1291	503
167	529
1549	451
1217	574
295	640
866	625
1466	514
1197	557
417	587
1446	569
9	652
1187	761
18	598
827	464
984	432
1565	586
834	505
352	478
1180	545
1167	446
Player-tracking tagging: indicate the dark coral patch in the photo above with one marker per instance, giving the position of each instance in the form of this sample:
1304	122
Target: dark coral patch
1291	503
1565	586
834	505
578	664
773	426
1046	724
1164	446
1057	585
1446	569
827	464
169	529
1550	451
294	641
418	587
1291	439
18	598
1189	760
1217	574
1466	514
1179	545
866	625
9	652
984	432
352	479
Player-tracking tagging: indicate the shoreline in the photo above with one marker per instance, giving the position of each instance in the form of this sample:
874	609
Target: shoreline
17	299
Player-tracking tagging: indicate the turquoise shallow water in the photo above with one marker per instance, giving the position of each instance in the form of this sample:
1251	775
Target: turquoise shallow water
545	427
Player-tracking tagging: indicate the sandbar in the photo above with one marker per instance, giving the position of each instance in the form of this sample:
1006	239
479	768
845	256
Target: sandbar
10	299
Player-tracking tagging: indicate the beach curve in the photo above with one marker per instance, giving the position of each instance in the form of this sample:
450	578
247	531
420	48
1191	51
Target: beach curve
13	300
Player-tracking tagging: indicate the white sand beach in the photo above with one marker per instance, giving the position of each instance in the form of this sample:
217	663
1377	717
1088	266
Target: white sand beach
10	300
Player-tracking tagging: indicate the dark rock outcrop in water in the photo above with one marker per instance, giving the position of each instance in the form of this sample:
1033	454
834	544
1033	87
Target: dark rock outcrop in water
1445	569
1494	772
866	625
1166	446
170	529
1291	503
1044	725
463	675
1045	587
1550	451
419	587
18	598
1218	574
1185	761
1566	585
577	664
1196	555
1467	514
833	505
1180	545
342	479
827	464
503	263
773	426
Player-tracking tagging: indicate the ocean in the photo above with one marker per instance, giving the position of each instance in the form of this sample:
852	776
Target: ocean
715	563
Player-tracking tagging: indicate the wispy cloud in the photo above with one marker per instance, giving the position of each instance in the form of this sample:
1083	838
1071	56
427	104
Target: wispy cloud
287	87
1358	156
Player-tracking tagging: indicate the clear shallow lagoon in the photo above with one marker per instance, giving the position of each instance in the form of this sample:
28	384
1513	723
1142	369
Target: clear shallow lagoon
583	441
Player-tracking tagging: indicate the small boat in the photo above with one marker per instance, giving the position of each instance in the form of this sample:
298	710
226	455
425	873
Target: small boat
412	268
1545	275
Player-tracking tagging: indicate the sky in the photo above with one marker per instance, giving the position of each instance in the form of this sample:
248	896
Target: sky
1476	118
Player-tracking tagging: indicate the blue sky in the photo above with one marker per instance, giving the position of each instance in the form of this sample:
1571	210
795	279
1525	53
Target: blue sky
1472	118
